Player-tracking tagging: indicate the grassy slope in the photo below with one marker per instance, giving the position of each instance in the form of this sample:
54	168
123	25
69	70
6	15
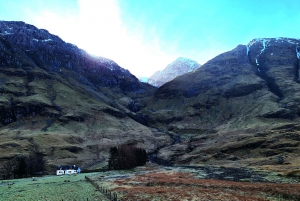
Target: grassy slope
74	122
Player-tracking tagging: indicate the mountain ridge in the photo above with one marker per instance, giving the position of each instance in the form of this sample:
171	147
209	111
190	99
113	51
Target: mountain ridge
250	93
64	103
240	108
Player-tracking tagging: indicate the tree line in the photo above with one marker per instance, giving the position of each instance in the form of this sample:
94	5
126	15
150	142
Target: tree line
22	166
120	158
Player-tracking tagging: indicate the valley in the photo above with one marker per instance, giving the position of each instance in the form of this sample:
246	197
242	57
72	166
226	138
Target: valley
238	112
153	182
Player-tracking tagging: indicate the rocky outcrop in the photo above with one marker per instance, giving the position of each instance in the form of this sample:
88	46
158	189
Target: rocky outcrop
277	62
179	67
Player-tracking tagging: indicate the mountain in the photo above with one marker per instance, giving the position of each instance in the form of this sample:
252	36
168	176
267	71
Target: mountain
178	67
64	103
241	107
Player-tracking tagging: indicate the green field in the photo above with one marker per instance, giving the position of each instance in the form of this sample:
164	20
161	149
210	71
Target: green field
54	188
153	182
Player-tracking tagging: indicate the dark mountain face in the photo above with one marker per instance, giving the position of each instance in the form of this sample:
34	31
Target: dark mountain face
179	67
52	54
265	69
231	101
68	105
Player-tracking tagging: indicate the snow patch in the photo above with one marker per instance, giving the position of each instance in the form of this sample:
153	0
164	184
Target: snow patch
47	40
248	48
264	45
6	33
297	52
256	62
291	41
264	42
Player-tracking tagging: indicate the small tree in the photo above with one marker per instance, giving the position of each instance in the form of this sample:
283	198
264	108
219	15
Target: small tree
9	168
113	160
126	157
142	156
35	163
21	168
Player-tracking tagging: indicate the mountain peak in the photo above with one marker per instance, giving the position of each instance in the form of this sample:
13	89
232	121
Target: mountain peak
178	67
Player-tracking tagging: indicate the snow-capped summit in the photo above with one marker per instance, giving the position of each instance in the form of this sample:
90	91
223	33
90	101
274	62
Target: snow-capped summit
178	67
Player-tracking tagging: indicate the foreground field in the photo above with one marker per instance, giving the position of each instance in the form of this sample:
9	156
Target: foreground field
52	188
184	184
158	183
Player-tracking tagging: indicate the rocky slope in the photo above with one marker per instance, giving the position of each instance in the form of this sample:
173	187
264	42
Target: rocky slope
68	105
241	107
179	67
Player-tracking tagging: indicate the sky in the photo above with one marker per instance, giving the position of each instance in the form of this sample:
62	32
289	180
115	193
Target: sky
144	36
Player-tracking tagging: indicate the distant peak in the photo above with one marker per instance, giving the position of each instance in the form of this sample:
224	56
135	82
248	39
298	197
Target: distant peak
178	67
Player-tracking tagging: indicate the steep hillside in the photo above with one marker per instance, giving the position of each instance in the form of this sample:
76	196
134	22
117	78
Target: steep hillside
179	67
242	107
58	100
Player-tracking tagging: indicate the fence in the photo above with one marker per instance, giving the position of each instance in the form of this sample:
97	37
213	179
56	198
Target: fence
112	196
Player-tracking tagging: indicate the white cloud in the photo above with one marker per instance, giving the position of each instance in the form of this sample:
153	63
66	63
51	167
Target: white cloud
97	27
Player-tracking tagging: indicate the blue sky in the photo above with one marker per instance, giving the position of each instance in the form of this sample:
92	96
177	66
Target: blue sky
144	36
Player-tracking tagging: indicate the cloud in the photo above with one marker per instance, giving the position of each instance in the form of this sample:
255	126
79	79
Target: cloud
145	36
98	28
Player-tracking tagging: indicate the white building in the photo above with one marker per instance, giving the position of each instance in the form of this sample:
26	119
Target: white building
66	169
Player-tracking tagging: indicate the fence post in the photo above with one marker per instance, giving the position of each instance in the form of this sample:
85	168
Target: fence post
111	195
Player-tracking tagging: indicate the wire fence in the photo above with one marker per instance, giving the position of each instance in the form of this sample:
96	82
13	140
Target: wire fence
112	196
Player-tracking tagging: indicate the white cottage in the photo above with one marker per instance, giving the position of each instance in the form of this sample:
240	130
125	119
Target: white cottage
67	169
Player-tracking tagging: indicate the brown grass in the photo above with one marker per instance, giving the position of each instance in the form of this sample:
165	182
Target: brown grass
184	186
